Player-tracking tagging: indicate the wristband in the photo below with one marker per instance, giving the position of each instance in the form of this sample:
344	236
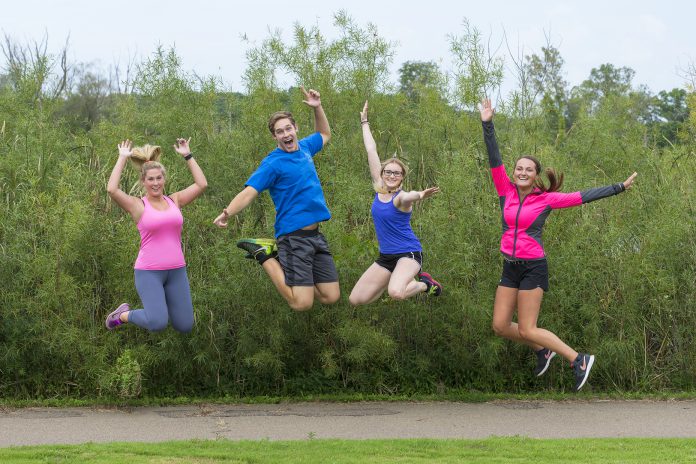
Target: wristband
188	157
365	122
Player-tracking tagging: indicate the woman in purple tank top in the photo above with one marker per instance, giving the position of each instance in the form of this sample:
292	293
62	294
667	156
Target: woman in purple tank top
160	269
400	252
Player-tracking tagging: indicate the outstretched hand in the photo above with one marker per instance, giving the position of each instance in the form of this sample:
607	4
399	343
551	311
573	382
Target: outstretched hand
429	192
125	148
628	182
221	220
363	113
312	97
486	109
182	146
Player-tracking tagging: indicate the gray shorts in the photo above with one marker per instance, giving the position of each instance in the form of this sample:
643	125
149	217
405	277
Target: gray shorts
306	259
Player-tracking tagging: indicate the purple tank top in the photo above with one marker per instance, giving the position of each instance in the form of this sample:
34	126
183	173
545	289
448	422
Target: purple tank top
393	228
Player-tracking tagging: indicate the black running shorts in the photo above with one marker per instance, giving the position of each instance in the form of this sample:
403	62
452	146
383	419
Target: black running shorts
388	262
525	275
306	259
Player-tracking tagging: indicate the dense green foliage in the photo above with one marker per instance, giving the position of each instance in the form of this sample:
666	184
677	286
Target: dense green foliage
622	270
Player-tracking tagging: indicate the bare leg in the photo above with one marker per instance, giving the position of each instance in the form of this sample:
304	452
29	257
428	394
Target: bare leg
327	293
370	286
401	285
528	305
503	309
299	298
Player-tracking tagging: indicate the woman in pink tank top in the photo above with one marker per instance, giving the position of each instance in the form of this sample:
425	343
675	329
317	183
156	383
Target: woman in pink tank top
160	268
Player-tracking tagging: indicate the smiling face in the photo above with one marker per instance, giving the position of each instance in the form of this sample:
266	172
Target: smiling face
525	173
285	134
392	176
153	180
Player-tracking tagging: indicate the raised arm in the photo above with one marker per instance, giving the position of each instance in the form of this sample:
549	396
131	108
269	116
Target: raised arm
371	148
321	124
487	111
500	177
238	203
130	204
559	200
193	191
405	200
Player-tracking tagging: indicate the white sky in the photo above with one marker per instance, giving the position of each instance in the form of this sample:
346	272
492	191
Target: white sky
656	39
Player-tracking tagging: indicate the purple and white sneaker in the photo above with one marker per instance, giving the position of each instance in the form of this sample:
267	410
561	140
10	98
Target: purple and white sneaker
113	320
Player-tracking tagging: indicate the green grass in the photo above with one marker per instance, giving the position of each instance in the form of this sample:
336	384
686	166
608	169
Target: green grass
492	450
453	395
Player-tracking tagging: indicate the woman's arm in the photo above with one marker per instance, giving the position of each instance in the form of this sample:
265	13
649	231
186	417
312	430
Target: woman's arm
193	191
130	204
405	200
500	177
371	148
559	200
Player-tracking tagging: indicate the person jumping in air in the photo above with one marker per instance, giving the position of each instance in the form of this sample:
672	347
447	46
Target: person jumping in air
160	269
298	262
526	202
400	251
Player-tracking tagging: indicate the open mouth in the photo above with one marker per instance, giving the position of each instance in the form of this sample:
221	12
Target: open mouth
289	143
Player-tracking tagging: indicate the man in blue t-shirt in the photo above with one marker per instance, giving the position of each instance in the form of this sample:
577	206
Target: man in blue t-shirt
298	262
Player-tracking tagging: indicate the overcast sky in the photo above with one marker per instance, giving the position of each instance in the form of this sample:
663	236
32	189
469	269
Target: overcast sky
655	39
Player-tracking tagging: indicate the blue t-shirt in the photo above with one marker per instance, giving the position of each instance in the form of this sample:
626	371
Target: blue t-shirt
293	183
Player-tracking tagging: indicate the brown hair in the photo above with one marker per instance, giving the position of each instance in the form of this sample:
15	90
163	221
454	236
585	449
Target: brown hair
277	116
555	178
379	186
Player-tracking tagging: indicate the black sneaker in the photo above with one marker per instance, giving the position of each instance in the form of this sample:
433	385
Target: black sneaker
544	357
259	249
581	367
433	287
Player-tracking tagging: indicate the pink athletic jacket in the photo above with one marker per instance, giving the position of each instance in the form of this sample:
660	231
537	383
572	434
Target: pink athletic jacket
523	221
160	238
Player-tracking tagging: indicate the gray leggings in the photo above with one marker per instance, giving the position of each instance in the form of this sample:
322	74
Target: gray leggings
166	295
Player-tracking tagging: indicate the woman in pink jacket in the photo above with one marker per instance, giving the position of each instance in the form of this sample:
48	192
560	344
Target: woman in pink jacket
525	203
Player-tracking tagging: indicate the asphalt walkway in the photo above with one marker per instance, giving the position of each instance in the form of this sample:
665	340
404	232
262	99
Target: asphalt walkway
301	421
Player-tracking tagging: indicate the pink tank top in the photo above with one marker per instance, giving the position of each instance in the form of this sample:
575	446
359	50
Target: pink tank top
160	238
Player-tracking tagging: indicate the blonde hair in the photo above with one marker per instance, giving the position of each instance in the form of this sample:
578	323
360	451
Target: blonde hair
151	165
142	155
379	186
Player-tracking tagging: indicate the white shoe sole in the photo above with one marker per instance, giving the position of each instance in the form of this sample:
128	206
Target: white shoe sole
587	373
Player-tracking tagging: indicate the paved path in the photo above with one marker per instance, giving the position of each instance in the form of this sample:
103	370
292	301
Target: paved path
299	421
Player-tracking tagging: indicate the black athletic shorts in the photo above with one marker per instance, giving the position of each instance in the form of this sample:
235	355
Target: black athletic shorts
306	259
388	262
525	275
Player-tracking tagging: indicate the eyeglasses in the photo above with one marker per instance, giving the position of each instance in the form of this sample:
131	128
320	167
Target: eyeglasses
388	173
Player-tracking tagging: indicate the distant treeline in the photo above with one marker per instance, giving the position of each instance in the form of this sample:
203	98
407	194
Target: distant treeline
623	270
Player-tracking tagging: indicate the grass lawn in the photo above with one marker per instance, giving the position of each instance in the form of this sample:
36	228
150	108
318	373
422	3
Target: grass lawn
492	450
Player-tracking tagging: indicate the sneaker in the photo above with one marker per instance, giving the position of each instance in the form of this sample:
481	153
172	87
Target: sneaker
259	249
113	320
581	367
434	287
544	357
